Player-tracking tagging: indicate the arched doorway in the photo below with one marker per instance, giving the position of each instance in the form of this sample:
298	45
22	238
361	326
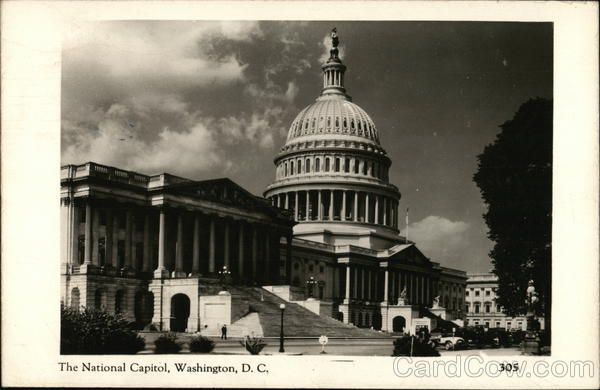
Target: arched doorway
180	311
144	307
398	324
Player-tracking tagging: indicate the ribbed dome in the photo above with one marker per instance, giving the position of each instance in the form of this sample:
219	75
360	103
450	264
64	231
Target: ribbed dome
333	115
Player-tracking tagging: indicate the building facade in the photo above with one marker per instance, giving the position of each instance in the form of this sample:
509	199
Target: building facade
333	175
481	306
160	249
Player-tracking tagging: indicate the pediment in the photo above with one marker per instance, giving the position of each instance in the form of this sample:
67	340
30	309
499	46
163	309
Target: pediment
222	191
408	254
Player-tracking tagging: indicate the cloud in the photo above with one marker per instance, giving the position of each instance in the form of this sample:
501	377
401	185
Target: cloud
439	238
187	148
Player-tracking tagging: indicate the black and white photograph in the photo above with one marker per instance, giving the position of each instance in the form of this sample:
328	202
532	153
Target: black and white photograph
382	184
330	190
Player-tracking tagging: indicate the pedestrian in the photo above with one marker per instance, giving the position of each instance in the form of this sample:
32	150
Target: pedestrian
224	332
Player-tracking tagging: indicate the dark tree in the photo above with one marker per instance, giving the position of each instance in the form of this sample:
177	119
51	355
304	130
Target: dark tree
515	179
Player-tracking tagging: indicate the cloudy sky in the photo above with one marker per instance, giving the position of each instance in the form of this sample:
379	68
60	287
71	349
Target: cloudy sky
215	99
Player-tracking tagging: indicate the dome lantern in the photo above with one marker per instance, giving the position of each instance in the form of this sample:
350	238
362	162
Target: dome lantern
333	71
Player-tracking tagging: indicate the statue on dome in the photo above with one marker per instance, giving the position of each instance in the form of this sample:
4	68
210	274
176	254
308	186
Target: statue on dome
334	38
436	302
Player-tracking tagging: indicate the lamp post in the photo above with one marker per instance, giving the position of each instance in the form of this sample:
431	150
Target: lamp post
282	308
531	343
311	282
224	275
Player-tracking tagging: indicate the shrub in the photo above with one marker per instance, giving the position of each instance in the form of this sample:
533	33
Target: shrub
91	331
402	347
167	343
201	344
253	344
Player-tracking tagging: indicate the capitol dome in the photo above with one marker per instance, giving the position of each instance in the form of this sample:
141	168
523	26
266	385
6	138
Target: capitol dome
333	172
333	115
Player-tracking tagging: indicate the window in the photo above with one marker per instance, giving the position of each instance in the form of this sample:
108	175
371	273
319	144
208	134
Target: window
337	164
487	293
327	164
307	166
120	253
476	308
318	165
321	269
487	308
299	166
476	293
487	324
347	165
311	268
356	165
508	324
498	309
497	324
291	167
466	293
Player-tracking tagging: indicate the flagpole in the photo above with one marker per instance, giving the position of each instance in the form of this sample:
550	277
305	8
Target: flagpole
406	238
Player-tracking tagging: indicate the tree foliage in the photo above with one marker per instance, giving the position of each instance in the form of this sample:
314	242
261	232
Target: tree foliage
515	179
89	331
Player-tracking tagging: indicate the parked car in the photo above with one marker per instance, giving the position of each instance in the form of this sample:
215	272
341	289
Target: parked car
452	342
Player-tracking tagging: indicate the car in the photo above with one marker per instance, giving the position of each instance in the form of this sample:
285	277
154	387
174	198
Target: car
450	342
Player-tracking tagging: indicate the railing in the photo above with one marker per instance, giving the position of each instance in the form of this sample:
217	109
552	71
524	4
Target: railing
109	173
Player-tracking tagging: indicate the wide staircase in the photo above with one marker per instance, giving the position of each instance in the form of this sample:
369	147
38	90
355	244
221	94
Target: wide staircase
297	321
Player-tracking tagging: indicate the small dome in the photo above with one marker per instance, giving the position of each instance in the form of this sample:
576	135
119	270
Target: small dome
335	115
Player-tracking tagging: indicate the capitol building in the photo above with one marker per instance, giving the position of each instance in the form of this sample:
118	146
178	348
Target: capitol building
172	253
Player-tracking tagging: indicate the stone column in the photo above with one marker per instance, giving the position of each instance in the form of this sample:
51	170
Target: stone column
331	209
288	259
367	208
369	288
355	284
115	241
386	286
267	271
74	236
211	246
196	246
128	260
320	206
363	283
161	270
254	251
376	209
306	217
87	258
347	292
287	200
178	273
226	243
296	206
355	216
343	216
241	250
385	205
96	236
146	255
278	200
108	246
